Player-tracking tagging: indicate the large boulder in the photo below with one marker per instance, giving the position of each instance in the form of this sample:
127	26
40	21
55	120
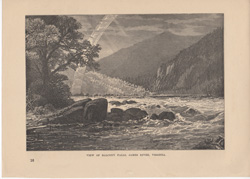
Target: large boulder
116	114
117	111
80	103
70	114
134	114
96	110
116	103
167	115
133	111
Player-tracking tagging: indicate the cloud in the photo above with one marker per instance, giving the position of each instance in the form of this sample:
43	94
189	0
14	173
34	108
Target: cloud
194	24
197	25
187	31
142	17
127	30
189	24
210	17
153	28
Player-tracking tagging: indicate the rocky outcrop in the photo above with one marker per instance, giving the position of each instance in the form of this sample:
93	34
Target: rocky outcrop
198	69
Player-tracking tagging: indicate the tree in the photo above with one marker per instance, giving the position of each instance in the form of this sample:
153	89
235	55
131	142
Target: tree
54	44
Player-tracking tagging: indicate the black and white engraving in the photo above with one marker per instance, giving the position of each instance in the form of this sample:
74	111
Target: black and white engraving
125	82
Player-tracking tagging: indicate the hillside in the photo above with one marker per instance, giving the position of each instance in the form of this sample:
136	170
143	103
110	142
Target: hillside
95	83
198	69
139	63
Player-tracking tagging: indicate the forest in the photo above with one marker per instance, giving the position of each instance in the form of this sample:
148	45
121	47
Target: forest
53	45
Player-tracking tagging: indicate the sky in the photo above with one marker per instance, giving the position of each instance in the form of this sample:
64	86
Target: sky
127	30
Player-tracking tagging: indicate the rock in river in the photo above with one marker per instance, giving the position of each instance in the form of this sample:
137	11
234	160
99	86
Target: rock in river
117	114
135	114
114	117
96	110
81	103
117	111
167	115
117	103
154	116
70	114
190	112
129	102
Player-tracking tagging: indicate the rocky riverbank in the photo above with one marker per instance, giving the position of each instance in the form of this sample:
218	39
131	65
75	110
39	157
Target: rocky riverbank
115	123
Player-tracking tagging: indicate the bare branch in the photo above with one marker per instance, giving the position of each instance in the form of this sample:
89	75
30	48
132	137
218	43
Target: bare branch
65	64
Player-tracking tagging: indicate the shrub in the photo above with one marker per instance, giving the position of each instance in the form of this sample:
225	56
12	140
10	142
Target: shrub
41	110
59	93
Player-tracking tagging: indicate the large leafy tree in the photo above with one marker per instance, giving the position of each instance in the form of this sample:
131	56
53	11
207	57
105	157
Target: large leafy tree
53	44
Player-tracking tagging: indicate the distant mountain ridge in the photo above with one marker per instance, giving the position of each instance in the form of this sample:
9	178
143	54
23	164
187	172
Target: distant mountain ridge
138	64
198	69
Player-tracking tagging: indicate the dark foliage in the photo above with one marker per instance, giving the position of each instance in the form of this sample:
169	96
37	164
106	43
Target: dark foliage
54	44
59	93
145	81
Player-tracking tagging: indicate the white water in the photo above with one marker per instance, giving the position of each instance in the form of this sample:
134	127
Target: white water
184	133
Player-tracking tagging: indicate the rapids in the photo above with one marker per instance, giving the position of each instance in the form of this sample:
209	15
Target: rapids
184	133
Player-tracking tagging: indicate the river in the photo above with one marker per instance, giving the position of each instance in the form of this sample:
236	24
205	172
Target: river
184	133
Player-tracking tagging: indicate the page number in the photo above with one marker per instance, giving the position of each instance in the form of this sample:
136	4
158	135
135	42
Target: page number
32	160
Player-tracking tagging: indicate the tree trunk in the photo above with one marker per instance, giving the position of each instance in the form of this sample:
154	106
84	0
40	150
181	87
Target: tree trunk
45	77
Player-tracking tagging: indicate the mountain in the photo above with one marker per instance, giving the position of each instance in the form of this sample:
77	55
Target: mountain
198	69
139	63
